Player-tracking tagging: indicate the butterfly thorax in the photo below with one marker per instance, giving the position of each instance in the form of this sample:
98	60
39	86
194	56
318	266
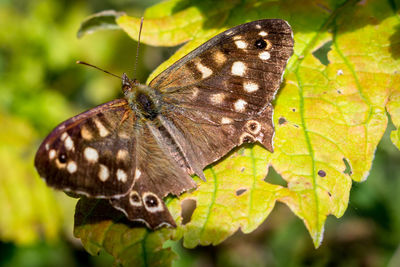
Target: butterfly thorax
144	100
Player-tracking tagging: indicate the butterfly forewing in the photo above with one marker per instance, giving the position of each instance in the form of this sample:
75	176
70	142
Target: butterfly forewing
92	153
221	93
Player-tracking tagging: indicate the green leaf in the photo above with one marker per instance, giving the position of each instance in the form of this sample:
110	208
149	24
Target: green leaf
329	114
105	20
101	226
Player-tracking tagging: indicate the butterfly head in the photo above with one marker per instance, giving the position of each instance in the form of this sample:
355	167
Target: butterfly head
128	85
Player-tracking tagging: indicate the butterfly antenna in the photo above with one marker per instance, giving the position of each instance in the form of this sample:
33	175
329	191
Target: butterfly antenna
138	44
90	65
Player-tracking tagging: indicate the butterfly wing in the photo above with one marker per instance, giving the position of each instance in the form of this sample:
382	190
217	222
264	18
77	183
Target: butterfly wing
158	174
221	93
92	153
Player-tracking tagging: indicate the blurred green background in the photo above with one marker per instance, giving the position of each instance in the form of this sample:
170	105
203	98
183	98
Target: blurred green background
40	86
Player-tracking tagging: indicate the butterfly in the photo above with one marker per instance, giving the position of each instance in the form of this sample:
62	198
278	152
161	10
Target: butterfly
136	150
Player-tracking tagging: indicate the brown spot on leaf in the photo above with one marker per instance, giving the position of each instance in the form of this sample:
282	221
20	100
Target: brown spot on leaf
188	207
240	191
282	120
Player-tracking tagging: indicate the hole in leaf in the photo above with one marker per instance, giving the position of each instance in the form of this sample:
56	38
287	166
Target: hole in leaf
242	169
322	53
321	173
282	120
293	109
240	191
274	178
348	167
188	207
339	92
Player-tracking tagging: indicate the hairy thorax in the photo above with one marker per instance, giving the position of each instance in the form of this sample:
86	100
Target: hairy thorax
145	102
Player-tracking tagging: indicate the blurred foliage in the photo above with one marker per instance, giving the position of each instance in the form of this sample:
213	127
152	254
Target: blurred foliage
41	86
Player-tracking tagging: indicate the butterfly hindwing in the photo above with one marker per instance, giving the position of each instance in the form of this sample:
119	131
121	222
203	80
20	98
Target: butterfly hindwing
158	173
92	153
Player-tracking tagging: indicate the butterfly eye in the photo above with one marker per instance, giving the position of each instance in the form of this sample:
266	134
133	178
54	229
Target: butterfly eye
260	44
62	158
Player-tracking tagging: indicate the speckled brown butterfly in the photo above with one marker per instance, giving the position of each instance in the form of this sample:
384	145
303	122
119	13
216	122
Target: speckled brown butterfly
136	150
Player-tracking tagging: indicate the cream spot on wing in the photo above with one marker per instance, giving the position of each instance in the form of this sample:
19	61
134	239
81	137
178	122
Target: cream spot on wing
91	154
122	154
72	167
229	33
52	154
47	146
226	120
123	135
254	127
241	44
85	133
238	68
63	136
205	71
103	132
250	87
264	55
263	33
240	105
151	202
219	57
269	45
137	174
258	26
237	37
69	144
104	173
217	98
121	176
195	92
134	199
